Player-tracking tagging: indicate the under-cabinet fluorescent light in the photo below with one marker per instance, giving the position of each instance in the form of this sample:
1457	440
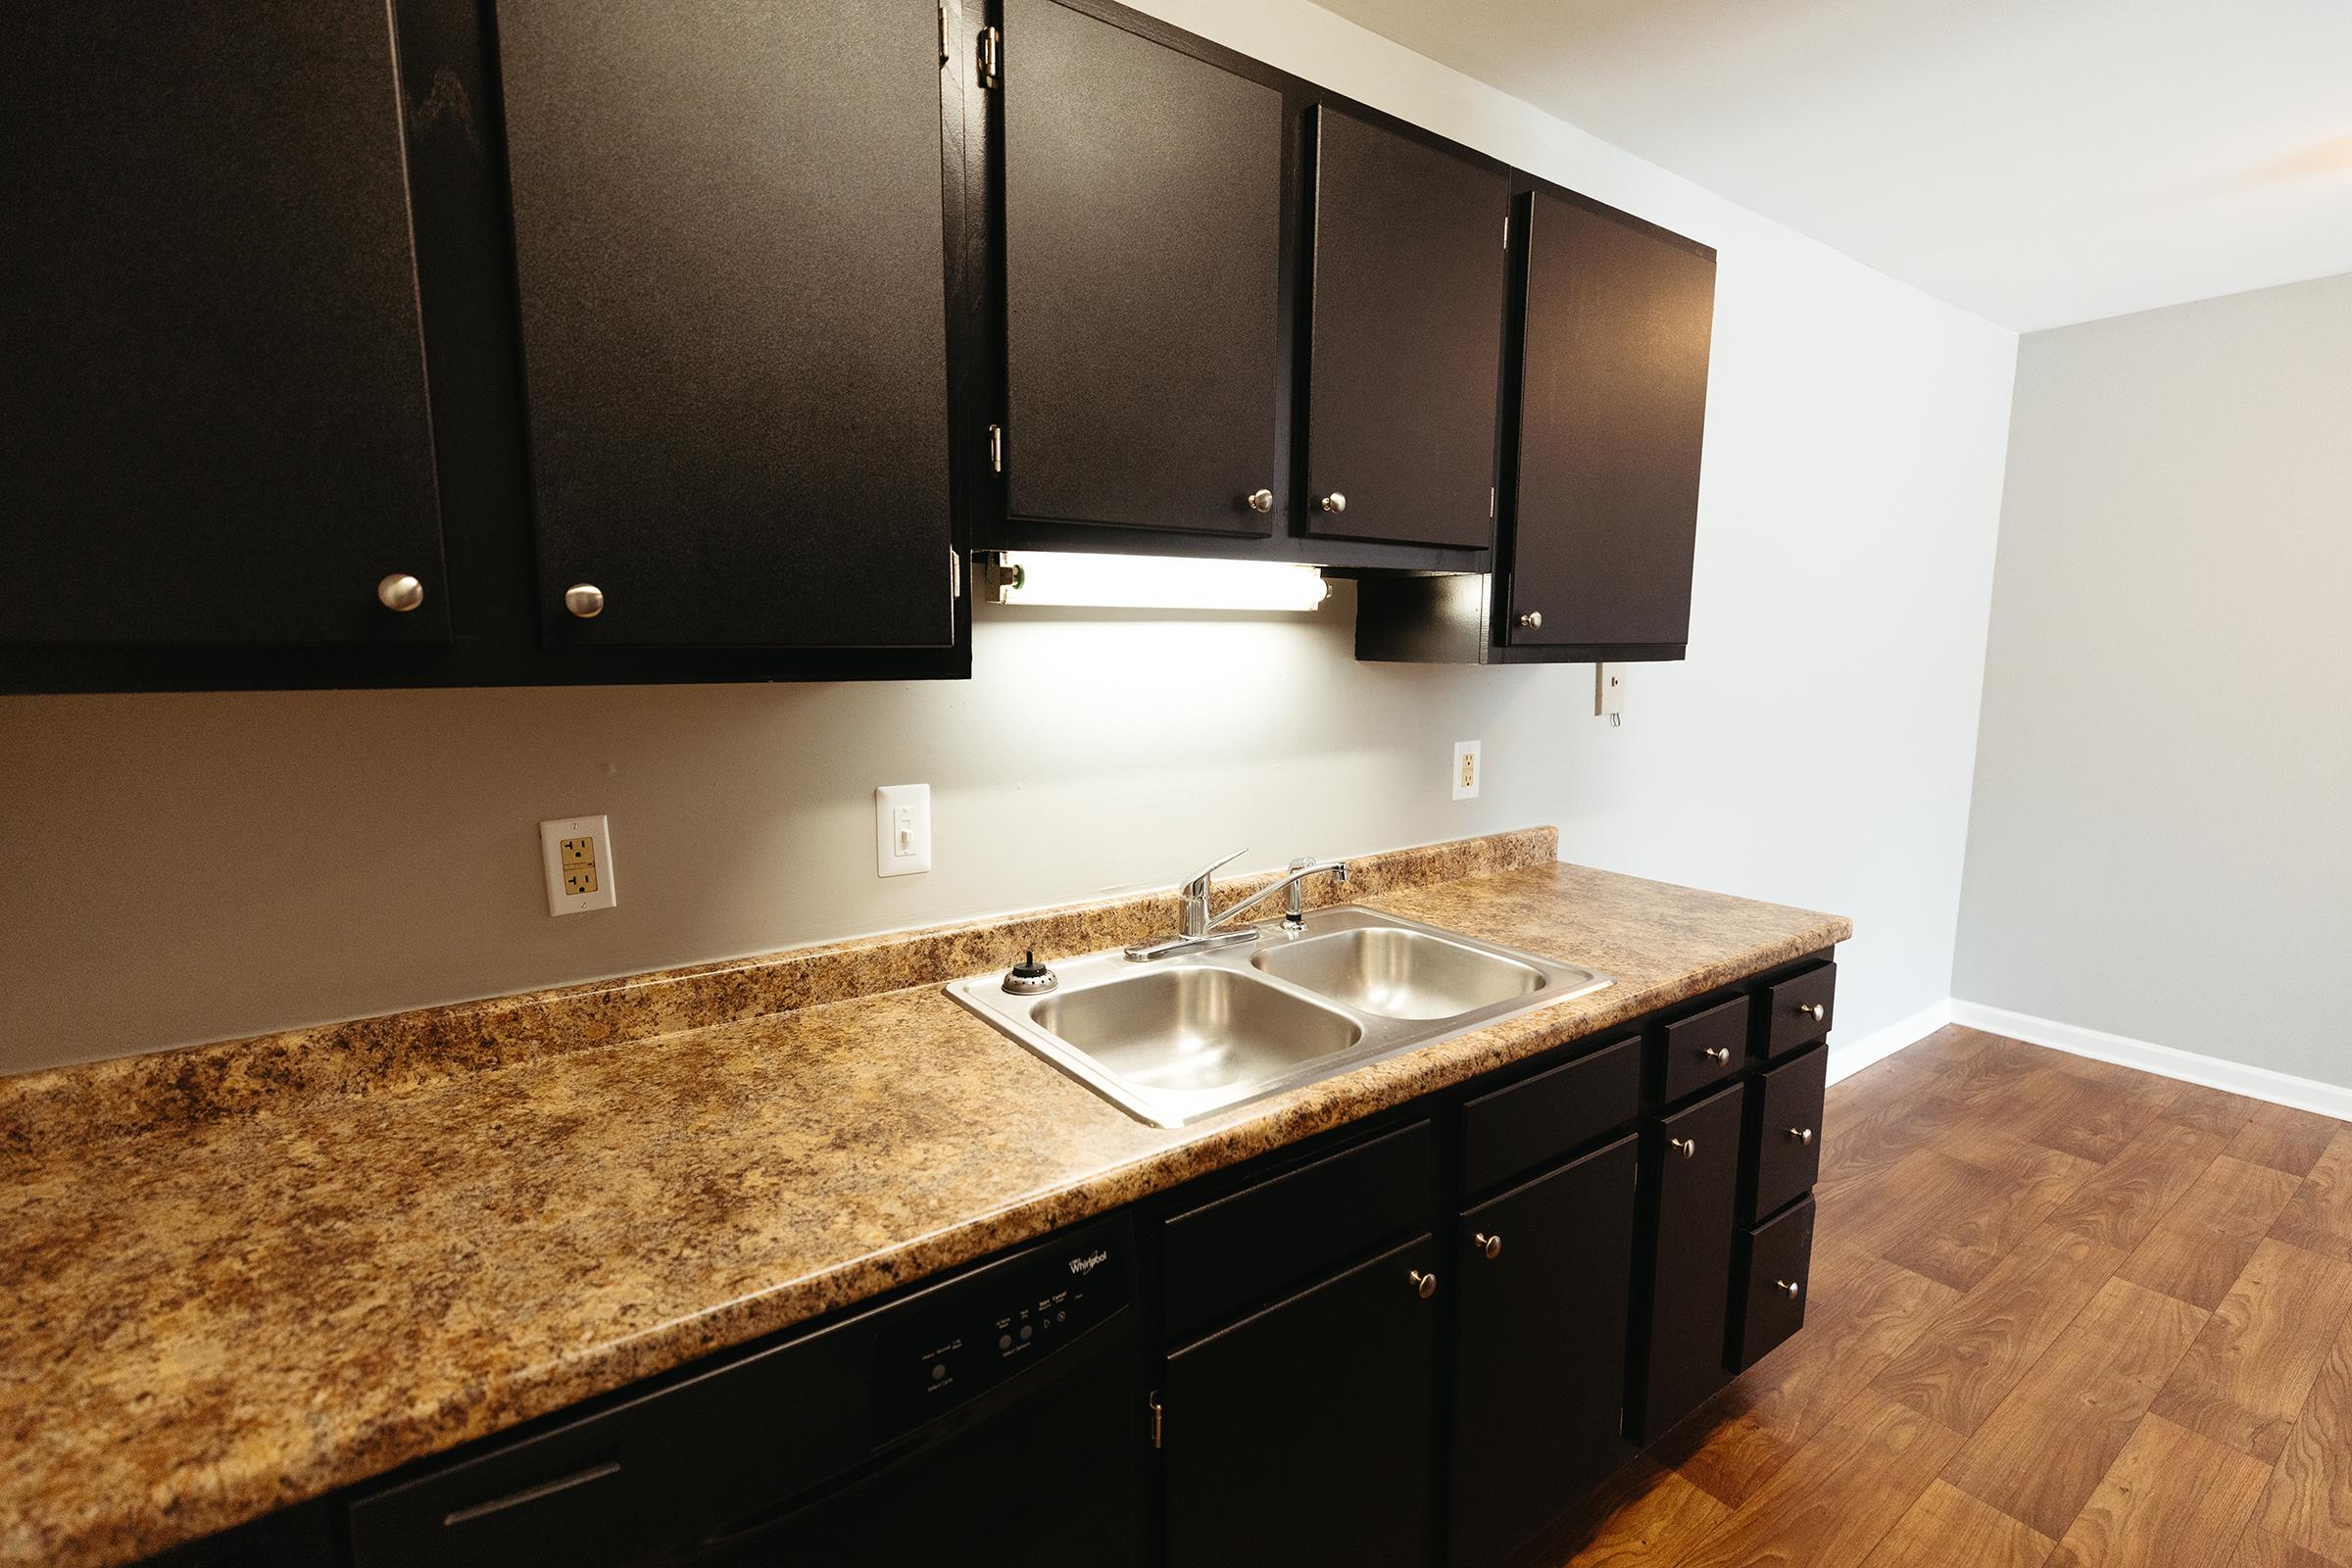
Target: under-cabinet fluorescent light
1156	582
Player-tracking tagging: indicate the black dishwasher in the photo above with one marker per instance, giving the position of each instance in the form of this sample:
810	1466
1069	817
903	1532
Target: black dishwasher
995	1417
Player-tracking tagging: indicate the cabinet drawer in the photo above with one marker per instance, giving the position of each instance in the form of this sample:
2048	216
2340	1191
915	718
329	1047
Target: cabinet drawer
1775	1276
1542	1117
1694	1160
1703	1048
1798	1011
1223	1255
1784	1131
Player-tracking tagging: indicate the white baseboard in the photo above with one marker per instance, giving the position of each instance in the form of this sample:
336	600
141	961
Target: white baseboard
2166	1061
1849	1056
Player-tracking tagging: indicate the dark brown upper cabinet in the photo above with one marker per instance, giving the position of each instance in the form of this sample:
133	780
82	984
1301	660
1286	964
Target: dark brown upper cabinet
1144	243
1406	350
1612	405
1604	407
212	413
730	257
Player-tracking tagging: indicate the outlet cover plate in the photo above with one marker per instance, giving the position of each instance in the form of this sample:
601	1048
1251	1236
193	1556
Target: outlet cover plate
577	851
1469	772
902	829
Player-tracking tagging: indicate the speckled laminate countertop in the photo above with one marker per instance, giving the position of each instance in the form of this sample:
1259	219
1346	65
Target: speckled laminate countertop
213	1315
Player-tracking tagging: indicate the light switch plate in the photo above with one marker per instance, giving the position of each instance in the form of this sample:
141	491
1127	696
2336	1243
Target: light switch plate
1609	693
578	855
902	829
1468	771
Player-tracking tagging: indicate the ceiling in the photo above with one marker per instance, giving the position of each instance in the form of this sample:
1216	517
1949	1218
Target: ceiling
2034	162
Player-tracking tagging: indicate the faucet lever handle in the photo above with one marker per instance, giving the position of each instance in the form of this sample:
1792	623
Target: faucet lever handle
1196	886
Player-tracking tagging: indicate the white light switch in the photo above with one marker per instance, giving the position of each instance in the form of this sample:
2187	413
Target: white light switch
902	829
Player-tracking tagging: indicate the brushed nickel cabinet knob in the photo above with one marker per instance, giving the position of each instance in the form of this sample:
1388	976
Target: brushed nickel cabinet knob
584	600
1261	501
1685	1147
1803	1134
1718	1055
1333	503
1790	1286
1489	1246
1425	1286
400	592
1532	620
1813	1010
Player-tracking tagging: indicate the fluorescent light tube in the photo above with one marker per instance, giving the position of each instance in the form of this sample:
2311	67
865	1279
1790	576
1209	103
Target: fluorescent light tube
1158	582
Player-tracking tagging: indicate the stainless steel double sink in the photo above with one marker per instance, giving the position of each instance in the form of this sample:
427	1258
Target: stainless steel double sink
1172	1040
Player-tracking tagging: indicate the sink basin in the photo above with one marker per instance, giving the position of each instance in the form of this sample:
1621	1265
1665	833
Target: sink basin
1171	1040
1397	973
1187	1029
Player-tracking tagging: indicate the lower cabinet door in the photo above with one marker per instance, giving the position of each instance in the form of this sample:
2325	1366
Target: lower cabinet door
1696	1179
1540	1366
1303	1433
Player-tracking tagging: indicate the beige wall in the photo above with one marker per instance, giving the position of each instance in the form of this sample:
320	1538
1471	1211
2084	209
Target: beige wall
187	867
2162	844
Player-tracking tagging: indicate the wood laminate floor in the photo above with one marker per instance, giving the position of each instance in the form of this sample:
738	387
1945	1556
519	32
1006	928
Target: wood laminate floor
2064	1315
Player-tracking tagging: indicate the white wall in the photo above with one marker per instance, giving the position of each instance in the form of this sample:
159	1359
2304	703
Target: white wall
184	867
2161	846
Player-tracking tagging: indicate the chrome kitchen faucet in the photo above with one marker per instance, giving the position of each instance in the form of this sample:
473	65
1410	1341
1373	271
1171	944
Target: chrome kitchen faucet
1200	934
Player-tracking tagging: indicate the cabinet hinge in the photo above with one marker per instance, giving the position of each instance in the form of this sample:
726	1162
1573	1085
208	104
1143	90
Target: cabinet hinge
1490	501
1506	231
996	449
992	57
943	35
955	577
1156	1416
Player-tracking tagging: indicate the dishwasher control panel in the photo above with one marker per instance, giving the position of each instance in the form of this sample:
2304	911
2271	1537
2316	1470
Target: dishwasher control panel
988	1326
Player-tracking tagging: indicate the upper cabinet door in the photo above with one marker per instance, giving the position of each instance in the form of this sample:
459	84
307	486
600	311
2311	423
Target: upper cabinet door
1407	345
1144	259
729	244
1612	405
212	424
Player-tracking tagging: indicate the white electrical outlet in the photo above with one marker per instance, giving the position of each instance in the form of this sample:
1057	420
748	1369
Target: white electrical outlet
578	854
1467	770
902	829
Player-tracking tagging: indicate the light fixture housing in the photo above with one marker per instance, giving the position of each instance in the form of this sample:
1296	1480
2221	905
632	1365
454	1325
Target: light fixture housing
1155	582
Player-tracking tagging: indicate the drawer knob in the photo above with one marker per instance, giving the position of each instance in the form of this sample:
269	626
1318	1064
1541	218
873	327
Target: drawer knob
1790	1286
1333	503
1425	1286
584	600
1803	1134
1813	1010
400	592
1685	1147
1532	620
1489	1246
1261	501
1719	1055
